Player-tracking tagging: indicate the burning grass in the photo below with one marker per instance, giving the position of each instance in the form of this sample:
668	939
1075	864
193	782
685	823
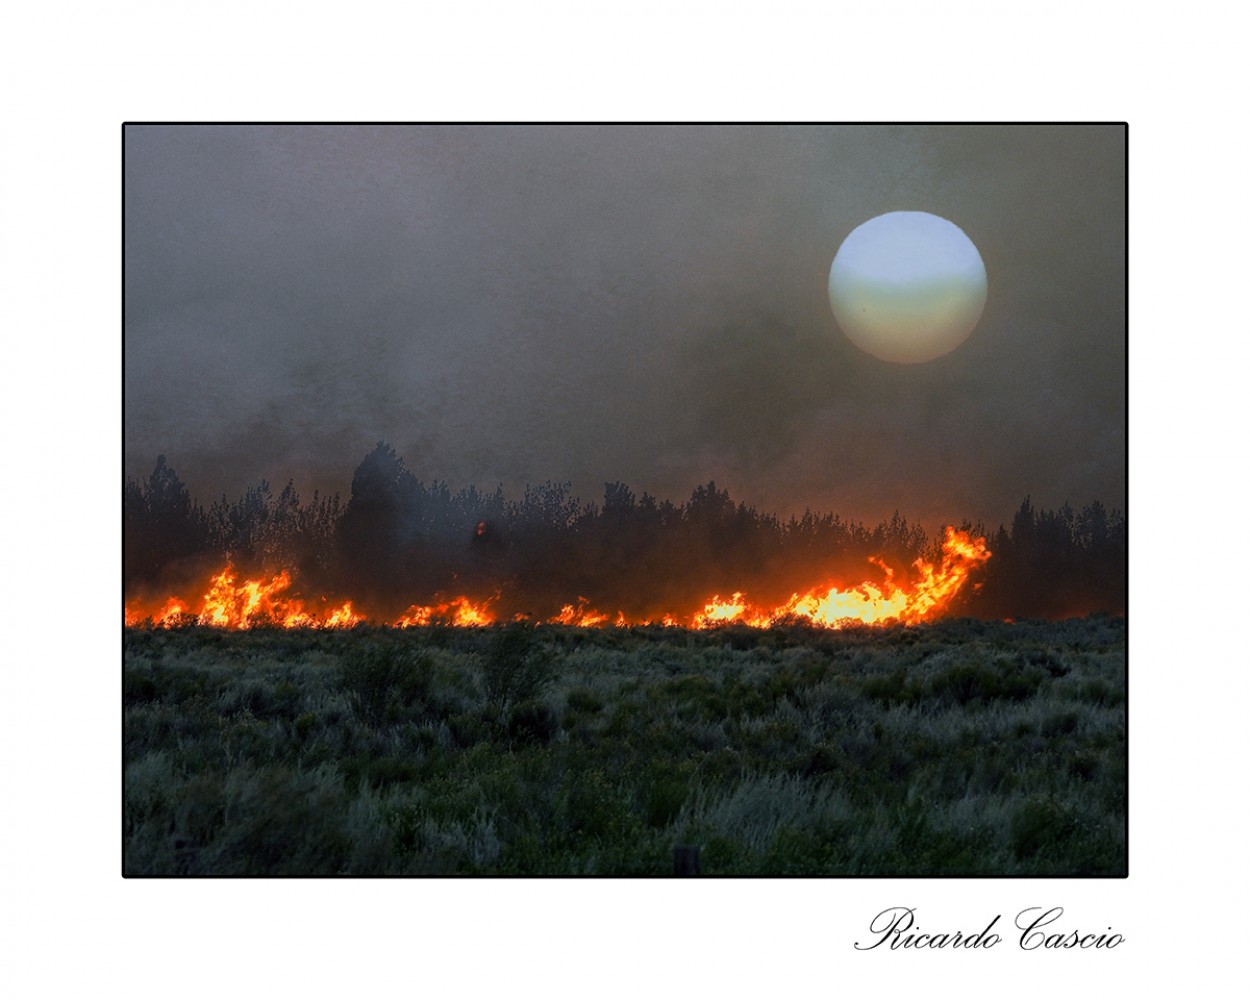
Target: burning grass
924	595
957	748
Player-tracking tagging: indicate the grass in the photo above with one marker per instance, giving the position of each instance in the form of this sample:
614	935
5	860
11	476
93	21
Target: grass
960	748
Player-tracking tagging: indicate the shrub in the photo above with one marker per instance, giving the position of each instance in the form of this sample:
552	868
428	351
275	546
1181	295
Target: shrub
1060	724
468	728
1040	825
1100	693
386	683
533	722
304	725
893	689
584	701
515	669
982	682
663	797
852	753
138	688
590	805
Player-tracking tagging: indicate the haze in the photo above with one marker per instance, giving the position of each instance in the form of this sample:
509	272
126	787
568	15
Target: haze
648	304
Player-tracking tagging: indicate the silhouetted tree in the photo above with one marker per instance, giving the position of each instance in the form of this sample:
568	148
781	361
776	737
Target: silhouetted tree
377	528
160	525
1054	564
396	542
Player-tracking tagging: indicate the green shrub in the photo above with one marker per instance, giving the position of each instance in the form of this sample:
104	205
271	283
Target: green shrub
533	722
515	669
286	698
386	683
1099	692
961	749
378	772
895	688
981	682
1084	766
304	725
1060	724
279	821
584	701
1041	825
1048	660
824	758
662	791
468	729
138	688
590	805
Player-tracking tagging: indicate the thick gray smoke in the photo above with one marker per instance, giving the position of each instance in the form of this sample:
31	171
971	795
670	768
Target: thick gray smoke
646	304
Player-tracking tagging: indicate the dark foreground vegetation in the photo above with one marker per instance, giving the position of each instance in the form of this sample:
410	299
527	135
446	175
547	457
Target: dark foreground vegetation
960	748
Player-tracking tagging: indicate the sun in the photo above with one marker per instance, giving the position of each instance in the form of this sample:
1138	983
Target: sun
907	286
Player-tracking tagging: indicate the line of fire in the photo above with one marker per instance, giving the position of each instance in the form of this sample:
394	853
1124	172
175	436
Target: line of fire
403	554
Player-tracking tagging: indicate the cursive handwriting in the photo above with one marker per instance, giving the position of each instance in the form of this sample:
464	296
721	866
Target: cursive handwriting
895	927
1033	937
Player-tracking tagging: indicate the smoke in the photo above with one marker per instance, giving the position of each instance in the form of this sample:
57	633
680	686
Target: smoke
509	305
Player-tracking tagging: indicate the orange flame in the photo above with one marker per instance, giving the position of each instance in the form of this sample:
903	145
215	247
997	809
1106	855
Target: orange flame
228	604
934	589
245	605
458	611
580	615
171	612
736	610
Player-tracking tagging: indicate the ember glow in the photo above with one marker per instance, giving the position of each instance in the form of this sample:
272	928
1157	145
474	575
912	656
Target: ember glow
925	594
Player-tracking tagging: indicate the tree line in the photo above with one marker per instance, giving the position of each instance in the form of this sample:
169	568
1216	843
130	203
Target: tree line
399	541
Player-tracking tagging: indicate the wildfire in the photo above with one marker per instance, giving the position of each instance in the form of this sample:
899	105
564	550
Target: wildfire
580	615
458	611
926	598
250	603
246	605
736	609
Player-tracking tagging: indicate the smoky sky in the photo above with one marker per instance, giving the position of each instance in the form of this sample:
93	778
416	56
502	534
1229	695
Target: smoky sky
516	304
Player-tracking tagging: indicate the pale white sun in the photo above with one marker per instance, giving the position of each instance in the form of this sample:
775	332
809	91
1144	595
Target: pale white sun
907	286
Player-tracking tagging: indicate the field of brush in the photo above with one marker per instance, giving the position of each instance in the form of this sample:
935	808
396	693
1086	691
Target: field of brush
959	748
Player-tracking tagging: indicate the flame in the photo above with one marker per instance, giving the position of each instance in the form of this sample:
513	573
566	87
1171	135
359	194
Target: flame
458	611
343	617
719	612
581	615
228	604
925	596
171	613
931	593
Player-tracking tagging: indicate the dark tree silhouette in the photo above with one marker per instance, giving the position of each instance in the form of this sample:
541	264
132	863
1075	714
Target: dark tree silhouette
160	525
375	534
1054	564
396	543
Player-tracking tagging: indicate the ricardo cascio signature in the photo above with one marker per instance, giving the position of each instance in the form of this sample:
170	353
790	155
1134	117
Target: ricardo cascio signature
1038	928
